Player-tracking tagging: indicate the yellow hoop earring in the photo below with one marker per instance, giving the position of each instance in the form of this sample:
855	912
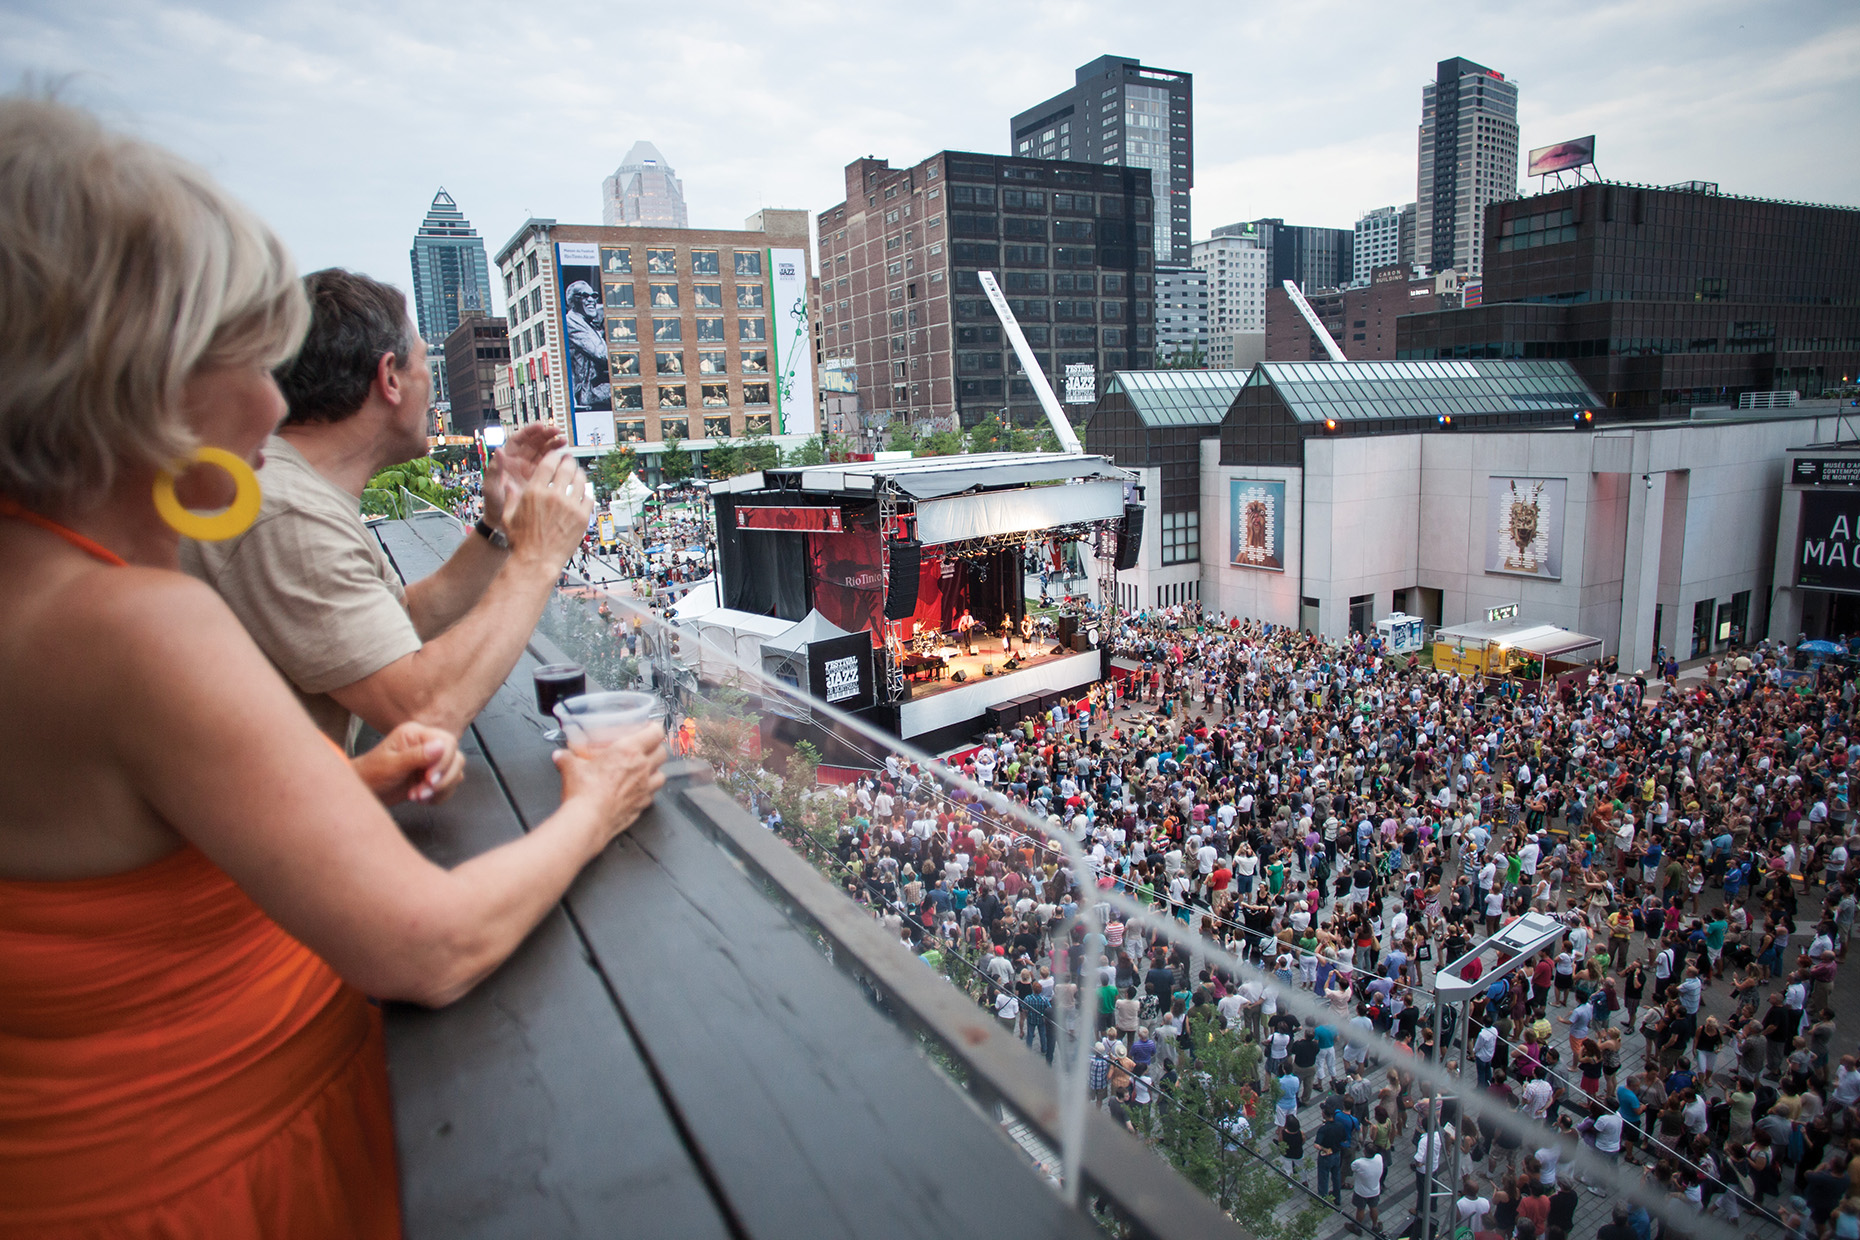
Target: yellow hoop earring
234	521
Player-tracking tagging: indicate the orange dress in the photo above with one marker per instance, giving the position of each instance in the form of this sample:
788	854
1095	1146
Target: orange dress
172	1063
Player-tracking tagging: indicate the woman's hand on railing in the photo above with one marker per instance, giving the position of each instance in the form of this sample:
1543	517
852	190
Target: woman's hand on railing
414	762
618	778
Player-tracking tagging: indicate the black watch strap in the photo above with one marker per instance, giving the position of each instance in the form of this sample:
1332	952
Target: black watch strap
492	535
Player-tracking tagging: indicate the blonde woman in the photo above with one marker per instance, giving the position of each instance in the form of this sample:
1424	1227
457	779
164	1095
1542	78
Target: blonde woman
197	892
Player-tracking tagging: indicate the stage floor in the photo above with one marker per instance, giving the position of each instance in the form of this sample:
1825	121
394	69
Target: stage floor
987	653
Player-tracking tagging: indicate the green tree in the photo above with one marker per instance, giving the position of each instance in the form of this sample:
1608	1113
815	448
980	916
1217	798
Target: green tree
384	495
902	436
759	452
810	451
610	472
723	461
1191	358
940	443
675	464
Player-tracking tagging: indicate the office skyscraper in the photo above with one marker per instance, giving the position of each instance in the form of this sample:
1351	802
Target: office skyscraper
644	190
1384	238
450	273
1122	112
1308	256
1469	158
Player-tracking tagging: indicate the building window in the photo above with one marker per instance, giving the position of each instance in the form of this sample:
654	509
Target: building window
674	428
623	363
717	427
758	423
619	296
665	297
630	430
669	363
704	263
755	361
619	331
672	397
1181	537
755	393
756	329
705	296
661	262
616	262
748	263
710	330
716	395
668	329
712	363
629	396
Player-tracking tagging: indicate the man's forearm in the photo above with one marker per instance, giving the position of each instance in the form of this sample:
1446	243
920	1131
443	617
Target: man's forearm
437	602
448	680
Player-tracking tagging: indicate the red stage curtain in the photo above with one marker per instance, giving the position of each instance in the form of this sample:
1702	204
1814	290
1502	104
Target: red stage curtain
848	588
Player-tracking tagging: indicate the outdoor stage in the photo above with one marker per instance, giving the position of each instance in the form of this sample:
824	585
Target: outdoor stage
892	549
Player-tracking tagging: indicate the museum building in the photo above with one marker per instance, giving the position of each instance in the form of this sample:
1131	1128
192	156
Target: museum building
1331	495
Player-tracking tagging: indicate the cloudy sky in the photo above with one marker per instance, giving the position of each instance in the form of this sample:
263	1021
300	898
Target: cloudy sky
337	120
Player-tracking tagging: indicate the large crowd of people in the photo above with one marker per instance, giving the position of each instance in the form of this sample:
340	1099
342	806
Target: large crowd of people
1348	822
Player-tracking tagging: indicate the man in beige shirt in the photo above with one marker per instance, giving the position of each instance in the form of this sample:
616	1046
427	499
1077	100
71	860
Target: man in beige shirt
311	583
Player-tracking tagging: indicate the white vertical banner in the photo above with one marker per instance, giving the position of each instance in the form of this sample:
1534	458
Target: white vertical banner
793	341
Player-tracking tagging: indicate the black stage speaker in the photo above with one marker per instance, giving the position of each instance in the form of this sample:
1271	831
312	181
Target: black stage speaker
901	591
1068	629
1130	537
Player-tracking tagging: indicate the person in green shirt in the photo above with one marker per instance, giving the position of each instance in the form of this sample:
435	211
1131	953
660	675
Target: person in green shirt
1275	876
1107	1004
1715	930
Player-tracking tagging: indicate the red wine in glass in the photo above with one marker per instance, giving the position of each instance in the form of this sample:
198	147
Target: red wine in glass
554	682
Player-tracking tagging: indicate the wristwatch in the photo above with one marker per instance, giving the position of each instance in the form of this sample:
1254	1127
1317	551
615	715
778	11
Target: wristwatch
492	534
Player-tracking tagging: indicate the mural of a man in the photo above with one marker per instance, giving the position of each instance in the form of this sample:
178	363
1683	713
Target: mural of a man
584	326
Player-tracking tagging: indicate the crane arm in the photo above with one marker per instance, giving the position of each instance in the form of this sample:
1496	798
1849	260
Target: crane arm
1055	415
1317	325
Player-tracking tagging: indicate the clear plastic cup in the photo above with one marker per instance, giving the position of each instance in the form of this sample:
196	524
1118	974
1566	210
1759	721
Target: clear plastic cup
596	718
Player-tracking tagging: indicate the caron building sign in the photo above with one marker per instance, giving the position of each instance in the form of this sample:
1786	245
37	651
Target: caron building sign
1827	548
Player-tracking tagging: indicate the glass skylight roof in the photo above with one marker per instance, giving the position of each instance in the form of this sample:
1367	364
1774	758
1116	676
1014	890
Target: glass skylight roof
1179	397
1378	391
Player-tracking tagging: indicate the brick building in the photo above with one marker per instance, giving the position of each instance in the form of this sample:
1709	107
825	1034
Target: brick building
902	305
475	351
1360	319
676	333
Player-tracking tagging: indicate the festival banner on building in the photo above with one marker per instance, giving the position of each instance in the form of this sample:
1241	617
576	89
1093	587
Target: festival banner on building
793	341
584	339
1524	526
1258	524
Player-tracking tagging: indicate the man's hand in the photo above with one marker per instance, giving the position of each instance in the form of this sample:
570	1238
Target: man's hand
514	464
414	762
549	517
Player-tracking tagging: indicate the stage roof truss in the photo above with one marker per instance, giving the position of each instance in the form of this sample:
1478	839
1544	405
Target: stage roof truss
982	548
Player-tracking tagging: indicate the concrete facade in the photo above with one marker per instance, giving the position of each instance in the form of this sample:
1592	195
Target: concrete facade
1657	520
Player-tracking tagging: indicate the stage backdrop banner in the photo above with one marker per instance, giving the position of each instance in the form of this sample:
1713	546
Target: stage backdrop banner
1257	524
765	518
1013	512
839	671
849	586
1524	526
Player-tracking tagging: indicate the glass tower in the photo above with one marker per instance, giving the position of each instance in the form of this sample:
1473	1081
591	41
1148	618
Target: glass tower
450	272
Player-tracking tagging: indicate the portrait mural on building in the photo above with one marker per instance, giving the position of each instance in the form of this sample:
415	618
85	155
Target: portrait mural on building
584	337
1524	526
1258	524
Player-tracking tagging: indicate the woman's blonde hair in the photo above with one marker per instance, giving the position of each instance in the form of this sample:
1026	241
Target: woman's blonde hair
123	270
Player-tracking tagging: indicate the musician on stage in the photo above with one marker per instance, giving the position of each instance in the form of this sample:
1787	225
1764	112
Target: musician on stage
966	628
1026	632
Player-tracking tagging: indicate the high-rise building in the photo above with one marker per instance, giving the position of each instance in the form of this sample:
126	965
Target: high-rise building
1122	112
476	351
644	191
1310	257
450	275
1384	238
650	336
1469	158
1237	265
901	297
1182	316
1663	299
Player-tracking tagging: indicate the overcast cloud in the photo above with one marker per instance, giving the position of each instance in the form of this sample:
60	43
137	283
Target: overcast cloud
337	121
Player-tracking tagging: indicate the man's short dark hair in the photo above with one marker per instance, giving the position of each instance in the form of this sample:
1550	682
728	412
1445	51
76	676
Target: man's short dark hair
353	321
